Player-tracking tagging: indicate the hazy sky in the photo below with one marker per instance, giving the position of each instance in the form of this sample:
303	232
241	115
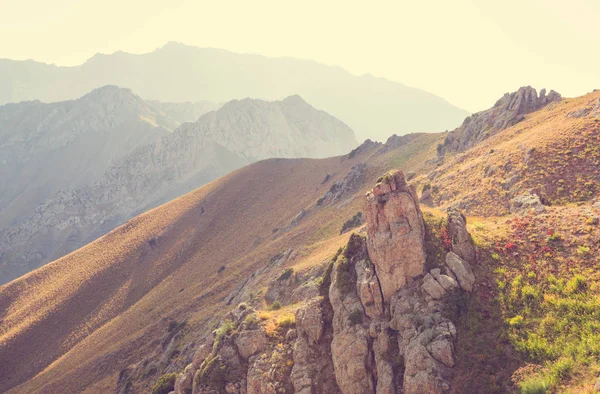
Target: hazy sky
467	51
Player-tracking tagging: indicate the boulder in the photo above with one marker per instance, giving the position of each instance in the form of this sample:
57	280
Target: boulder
432	287
527	203
461	270
396	233
309	321
250	342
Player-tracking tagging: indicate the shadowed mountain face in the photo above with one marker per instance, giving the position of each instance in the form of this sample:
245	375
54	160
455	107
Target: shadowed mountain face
374	107
239	133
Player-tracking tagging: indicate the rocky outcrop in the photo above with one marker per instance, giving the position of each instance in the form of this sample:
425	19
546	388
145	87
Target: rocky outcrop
395	233
313	369
591	111
350	339
508	111
462	243
341	188
527	203
350	350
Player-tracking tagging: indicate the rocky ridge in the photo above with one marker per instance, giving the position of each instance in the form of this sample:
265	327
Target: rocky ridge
506	112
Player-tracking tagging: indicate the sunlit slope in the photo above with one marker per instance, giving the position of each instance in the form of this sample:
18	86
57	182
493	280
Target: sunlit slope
554	152
75	323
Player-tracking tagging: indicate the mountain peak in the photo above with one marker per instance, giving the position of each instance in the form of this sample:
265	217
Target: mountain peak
509	110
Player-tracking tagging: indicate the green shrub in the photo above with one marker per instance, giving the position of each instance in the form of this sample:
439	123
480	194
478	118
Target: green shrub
213	373
251	319
275	306
227	327
583	250
561	369
165	384
577	284
516	321
534	385
343	277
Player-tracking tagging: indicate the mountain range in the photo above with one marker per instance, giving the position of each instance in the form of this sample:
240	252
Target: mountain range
374	107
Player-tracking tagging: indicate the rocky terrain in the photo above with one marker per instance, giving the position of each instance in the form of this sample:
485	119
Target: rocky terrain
508	111
239	133
355	278
374	107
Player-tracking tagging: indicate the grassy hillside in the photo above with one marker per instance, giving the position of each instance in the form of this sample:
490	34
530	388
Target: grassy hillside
78	321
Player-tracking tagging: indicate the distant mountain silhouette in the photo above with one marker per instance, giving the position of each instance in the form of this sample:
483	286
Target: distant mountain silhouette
373	107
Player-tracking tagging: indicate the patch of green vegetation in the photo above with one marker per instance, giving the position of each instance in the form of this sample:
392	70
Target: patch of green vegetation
286	320
251	319
213	373
226	328
435	250
275	306
165	384
343	277
355	221
534	385
325	280
552	322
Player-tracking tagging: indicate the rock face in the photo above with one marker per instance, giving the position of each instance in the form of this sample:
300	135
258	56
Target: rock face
508	111
239	133
313	366
350	350
395	233
462	243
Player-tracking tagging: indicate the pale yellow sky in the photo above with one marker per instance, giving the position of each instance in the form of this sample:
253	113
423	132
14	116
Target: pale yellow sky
468	52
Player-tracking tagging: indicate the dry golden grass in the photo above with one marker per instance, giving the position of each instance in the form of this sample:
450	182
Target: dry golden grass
72	325
564	164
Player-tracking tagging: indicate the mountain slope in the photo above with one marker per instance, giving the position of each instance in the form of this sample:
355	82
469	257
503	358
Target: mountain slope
374	107
49	147
243	275
551	155
109	301
239	133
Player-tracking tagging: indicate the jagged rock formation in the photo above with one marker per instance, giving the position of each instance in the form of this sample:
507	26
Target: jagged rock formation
239	133
508	111
395	232
347	339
